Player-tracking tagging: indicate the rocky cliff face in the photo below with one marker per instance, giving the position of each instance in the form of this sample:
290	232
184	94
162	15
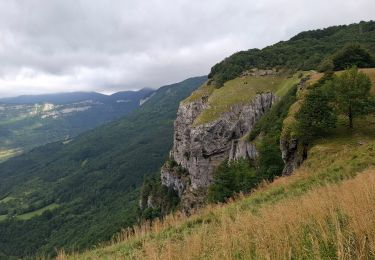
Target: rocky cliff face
293	154
199	149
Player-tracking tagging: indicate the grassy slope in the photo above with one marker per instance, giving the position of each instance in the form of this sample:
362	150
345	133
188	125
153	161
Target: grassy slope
310	214
238	91
290	121
324	210
37	212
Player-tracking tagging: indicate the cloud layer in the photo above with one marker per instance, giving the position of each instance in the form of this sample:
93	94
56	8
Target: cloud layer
100	45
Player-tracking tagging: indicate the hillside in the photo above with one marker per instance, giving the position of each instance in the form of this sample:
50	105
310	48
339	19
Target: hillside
75	194
324	210
305	51
266	124
29	121
315	200
228	137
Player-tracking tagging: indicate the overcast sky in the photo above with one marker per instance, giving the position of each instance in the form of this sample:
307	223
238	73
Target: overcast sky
110	45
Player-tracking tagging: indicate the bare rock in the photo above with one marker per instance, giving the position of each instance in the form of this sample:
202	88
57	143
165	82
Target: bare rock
200	149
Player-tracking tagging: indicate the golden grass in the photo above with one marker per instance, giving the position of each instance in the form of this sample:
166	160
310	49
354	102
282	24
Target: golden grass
204	90
330	222
303	216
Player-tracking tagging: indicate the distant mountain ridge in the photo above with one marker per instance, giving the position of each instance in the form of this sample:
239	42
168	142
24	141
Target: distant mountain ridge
72	97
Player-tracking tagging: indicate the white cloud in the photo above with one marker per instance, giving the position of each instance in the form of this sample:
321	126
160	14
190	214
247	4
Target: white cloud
101	45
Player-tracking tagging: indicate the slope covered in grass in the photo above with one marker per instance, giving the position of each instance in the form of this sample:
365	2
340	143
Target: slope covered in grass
324	210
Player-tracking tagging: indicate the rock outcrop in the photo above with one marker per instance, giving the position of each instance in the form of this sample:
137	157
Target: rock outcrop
293	154
199	149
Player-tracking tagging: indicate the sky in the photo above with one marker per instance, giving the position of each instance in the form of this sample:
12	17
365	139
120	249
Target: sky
49	46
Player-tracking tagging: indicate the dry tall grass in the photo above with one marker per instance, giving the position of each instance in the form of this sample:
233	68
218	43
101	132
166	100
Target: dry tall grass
330	222
335	222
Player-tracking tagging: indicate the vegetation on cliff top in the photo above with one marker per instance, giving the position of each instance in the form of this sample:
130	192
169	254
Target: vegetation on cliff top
304	51
240	91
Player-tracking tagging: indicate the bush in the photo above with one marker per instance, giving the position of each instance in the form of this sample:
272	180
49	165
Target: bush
352	55
231	178
164	199
316	114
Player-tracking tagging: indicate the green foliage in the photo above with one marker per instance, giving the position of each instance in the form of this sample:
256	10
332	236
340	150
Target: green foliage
163	199
271	122
174	166
326	65
270	163
316	115
352	93
352	55
230	178
305	51
94	179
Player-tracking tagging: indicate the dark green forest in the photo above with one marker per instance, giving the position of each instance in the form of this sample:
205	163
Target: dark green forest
304	51
92	182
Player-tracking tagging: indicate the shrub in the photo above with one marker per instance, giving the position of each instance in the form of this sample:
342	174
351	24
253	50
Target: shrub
230	178
352	55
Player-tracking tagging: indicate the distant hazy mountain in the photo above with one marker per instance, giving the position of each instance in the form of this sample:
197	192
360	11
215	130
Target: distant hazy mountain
29	121
72	97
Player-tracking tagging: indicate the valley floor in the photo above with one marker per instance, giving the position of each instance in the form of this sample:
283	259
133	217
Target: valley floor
325	210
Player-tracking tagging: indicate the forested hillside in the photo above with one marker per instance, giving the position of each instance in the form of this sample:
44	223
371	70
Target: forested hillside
74	194
305	51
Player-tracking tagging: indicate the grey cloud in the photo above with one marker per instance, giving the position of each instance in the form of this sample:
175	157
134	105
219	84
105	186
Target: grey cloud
67	45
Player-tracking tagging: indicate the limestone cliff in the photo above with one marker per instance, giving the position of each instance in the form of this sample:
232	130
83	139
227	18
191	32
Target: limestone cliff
199	149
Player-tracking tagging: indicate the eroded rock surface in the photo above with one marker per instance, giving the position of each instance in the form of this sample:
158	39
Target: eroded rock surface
201	148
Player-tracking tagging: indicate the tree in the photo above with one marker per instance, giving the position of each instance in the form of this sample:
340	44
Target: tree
316	114
326	65
352	93
230	178
352	55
